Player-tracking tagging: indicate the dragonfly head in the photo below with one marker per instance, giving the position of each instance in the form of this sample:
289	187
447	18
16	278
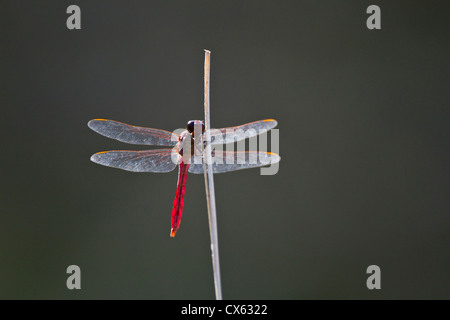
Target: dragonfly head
195	124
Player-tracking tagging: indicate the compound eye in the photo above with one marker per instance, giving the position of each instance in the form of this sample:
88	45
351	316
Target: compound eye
190	126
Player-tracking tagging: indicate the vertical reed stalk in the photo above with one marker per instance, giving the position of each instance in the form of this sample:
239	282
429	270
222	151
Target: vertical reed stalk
209	184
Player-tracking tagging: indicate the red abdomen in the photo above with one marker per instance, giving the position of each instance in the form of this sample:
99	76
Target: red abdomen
177	209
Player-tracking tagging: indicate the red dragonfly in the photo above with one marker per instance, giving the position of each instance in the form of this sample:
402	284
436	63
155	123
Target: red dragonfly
186	152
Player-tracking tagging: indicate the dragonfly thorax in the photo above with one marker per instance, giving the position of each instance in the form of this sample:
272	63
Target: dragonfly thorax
189	144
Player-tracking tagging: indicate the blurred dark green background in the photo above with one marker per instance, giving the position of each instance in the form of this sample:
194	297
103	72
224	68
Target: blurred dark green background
364	130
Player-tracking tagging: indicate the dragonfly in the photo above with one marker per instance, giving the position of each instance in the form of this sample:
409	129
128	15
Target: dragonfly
186	152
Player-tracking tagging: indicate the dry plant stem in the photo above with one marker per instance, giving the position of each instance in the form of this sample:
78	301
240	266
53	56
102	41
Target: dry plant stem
209	185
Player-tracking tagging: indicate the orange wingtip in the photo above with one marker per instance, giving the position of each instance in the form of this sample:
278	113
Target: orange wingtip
267	120
272	154
102	152
172	232
101	119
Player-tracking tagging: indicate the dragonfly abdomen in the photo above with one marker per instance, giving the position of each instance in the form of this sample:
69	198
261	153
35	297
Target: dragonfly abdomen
177	209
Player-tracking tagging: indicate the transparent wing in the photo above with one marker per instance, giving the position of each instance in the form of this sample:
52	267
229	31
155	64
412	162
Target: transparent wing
137	161
233	134
225	161
132	134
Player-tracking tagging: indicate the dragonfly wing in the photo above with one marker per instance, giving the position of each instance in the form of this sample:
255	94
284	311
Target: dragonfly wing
225	161
138	161
248	130
132	134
